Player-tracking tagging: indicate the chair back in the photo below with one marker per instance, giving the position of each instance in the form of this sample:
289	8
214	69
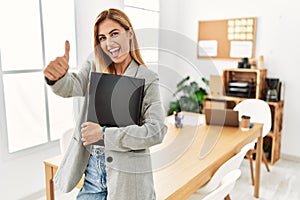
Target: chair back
230	165
226	186
65	140
258	110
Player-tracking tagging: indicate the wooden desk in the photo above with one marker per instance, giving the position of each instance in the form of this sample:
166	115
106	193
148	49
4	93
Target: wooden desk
181	178
51	166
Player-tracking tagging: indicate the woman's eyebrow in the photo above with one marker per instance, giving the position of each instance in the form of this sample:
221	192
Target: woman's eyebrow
113	30
102	34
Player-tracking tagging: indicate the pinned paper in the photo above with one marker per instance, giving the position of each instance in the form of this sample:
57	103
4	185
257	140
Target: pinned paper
208	48
240	49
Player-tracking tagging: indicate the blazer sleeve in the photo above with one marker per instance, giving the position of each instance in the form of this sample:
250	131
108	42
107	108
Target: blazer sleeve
73	83
152	131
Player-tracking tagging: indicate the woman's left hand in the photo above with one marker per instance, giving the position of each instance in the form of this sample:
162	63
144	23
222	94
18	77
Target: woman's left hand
90	133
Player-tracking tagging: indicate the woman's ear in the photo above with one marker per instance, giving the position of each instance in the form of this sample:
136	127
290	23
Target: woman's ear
131	33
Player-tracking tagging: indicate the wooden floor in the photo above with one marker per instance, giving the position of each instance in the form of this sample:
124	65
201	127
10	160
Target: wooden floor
282	183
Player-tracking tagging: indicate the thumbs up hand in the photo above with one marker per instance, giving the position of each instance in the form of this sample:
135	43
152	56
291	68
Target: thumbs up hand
58	67
67	51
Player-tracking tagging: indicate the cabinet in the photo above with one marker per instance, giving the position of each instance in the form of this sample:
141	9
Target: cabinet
272	142
253	78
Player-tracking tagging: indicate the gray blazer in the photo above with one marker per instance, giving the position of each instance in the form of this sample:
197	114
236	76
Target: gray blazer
128	162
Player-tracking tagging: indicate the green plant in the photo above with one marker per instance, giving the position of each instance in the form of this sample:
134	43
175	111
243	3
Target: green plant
267	147
267	150
192	96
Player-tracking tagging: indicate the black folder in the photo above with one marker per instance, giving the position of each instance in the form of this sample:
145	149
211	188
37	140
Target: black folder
115	101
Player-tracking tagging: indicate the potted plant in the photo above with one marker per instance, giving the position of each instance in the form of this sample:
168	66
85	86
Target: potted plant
192	96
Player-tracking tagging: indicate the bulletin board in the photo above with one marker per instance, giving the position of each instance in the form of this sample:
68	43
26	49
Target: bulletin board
227	39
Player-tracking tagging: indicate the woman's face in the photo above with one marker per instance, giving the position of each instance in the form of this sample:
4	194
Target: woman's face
114	40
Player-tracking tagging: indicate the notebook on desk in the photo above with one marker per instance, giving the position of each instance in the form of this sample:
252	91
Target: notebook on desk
222	117
115	101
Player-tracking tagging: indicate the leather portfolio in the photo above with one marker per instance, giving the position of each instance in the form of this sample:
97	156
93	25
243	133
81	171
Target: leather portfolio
115	101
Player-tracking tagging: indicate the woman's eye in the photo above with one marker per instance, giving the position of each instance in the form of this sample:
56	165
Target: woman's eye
115	34
101	39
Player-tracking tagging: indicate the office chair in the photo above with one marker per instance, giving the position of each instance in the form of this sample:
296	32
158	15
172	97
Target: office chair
226	186
65	140
259	111
230	165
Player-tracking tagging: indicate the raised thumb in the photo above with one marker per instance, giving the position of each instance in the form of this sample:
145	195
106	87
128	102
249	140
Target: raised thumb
67	50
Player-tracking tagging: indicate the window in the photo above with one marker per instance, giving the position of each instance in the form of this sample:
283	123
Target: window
33	33
144	16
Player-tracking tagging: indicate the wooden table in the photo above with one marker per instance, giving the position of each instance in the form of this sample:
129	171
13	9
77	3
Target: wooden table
187	171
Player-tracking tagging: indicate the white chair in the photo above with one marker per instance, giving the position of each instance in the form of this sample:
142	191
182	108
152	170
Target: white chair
65	140
259	111
230	165
226	186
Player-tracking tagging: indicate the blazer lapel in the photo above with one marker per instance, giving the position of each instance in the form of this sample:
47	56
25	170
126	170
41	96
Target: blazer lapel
131	69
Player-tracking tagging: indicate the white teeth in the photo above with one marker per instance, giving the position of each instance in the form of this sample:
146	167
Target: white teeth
113	50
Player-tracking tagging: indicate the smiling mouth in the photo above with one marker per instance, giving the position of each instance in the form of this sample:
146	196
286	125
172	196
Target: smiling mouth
114	52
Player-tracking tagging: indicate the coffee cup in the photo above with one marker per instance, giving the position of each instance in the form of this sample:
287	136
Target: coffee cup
245	123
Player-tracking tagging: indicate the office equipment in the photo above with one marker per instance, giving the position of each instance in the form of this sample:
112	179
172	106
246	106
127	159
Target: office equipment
273	89
243	88
244	64
221	117
115	101
247	83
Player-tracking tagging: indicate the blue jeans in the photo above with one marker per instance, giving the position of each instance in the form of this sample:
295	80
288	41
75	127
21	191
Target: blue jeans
94	186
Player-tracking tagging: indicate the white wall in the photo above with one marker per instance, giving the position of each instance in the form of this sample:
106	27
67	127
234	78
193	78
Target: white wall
86	14
22	174
278	40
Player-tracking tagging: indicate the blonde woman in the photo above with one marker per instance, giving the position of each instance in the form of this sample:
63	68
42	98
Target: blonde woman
121	168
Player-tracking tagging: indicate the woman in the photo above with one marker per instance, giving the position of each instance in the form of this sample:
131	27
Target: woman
122	168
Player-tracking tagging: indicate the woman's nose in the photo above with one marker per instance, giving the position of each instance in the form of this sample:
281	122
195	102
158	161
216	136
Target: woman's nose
109	41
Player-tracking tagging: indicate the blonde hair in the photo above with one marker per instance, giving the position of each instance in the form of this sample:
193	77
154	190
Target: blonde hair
103	62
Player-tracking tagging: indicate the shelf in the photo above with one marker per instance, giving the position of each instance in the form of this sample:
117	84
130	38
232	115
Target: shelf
255	77
272	141
271	134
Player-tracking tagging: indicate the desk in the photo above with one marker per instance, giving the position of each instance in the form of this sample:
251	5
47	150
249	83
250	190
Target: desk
51	166
185	175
